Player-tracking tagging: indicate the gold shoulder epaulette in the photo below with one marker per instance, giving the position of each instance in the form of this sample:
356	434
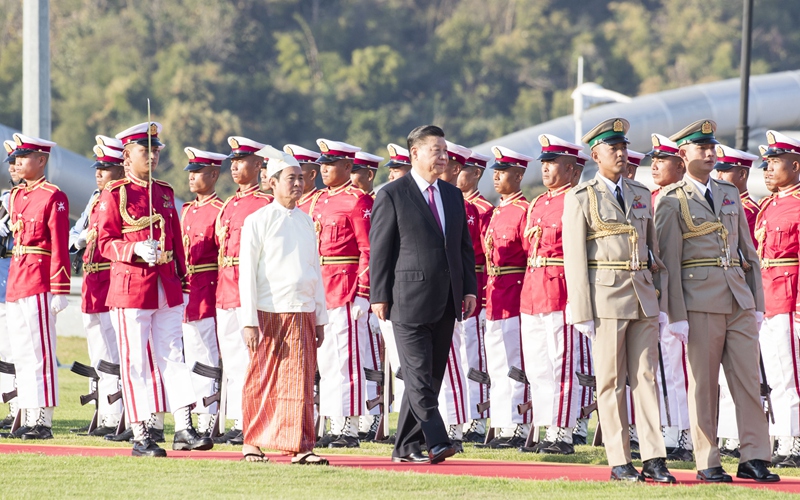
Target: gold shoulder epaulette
672	187
162	183
724	183
266	196
584	185
356	191
117	184
218	203
635	183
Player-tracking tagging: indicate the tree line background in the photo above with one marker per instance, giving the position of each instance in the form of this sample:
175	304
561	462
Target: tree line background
367	71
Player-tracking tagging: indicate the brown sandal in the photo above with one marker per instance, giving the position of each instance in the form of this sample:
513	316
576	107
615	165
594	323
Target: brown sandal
309	458
255	458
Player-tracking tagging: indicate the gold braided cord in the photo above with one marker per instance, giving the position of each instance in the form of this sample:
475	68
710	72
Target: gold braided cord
761	236
702	229
607	229
132	225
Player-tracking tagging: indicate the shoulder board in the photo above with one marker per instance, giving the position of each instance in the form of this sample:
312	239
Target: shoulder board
584	185
116	184
259	194
481	201
724	183
50	187
162	183
672	187
634	183
357	192
218	203
533	201
186	205
521	203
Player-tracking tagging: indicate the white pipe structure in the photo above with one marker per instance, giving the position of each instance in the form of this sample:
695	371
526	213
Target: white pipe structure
772	106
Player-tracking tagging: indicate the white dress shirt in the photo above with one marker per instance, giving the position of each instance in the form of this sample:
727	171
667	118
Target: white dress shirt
611	185
437	195
702	187
279	270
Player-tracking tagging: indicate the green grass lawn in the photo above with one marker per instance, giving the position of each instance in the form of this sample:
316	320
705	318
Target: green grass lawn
120	477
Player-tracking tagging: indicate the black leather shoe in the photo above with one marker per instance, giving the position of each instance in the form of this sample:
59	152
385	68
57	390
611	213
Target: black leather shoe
439	452
345	442
495	443
38	432
233	436
537	448
458	446
147	448
756	470
734	453
474	437
388	440
102	431
626	472
412	458
714	475
325	440
157	435
514	442
681	455
776	459
792	461
656	469
17	433
578	439
189	439
559	448
126	435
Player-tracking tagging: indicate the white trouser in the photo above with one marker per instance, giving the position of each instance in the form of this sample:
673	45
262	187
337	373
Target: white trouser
200	346
780	349
585	367
453	394
673	352
7	383
398	387
473	355
551	351
154	377
340	361
372	358
504	350
102	341
727	427
32	332
235	358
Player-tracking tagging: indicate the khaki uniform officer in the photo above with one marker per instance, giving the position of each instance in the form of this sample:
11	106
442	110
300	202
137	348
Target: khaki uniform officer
610	287
703	234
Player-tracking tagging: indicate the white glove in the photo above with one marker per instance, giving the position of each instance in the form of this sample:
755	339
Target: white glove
58	303
185	299
80	243
359	308
587	329
759	319
680	330
568	314
662	318
374	324
145	251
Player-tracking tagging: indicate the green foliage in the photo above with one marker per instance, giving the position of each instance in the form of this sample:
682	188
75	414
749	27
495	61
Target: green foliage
367	71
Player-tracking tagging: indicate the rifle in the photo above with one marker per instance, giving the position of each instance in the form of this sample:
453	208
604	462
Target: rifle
93	376
8	369
664	384
483	379
766	390
518	375
113	369
215	373
378	377
590	381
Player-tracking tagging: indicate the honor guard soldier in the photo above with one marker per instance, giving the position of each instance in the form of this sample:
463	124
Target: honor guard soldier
715	305
341	217
308	164
734	166
365	166
245	169
667	168
7	383
778	234
101	338
634	160
145	293
610	254
399	162
550	346
473	353
198	220
38	282
506	259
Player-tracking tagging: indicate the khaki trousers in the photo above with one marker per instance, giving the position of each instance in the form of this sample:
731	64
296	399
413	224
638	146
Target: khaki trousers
730	339
628	349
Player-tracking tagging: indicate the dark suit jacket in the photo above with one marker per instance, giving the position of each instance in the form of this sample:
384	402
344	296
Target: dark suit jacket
412	266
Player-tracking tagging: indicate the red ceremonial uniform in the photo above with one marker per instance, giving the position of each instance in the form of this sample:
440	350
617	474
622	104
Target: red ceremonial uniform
304	203
751	212
342	220
96	268
778	236
653	195
474	227
544	288
228	238
506	257
39	213
483	207
123	211
198	220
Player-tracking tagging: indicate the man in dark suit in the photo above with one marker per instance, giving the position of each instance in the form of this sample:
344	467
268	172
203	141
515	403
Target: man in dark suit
422	272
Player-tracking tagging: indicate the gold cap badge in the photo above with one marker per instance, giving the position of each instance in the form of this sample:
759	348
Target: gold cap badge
655	141
497	153
233	142
720	152
771	138
98	151
706	128
544	141
190	154
287	149
392	150
153	130
618	126
323	147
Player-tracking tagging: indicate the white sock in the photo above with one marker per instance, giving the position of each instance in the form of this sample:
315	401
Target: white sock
455	432
337	425
204	421
237	424
183	419
551	435
139	431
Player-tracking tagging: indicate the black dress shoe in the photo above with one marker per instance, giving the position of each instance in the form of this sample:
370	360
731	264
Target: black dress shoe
412	458
17	433
656	469
792	461
157	435
102	431
513	442
757	470
537	448
495	443
578	439
38	432
776	459
126	435
439	452
626	472
387	440
458	445
558	448
681	455
325	440
233	436
734	453
474	437
147	448
189	439
345	442
714	475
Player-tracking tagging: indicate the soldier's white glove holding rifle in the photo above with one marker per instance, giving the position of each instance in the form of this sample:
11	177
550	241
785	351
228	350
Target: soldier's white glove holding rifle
585	327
